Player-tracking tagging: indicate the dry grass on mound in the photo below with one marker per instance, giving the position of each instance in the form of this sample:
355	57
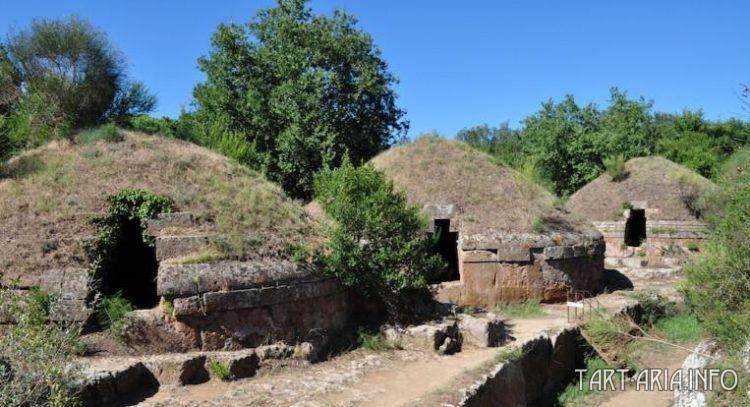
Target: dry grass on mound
487	196
47	196
662	184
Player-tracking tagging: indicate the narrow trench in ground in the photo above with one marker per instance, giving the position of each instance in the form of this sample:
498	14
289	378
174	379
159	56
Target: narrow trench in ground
132	269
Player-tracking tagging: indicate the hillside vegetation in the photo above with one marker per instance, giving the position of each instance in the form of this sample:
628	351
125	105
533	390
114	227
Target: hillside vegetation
48	196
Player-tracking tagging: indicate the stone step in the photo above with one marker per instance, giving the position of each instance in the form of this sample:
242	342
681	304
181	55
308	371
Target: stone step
110	379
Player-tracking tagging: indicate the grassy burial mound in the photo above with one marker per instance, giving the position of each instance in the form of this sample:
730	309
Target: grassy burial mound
649	207
72	209
668	191
497	229
487	197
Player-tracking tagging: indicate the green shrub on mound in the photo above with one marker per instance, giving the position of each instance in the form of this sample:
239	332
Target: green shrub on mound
377	245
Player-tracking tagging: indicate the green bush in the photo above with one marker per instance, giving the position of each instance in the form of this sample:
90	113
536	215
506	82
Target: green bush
36	366
717	284
112	311
107	132
164	126
378	245
615	166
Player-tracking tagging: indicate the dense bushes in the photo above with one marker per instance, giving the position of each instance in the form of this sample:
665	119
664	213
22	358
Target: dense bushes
717	284
35	366
571	145
378	245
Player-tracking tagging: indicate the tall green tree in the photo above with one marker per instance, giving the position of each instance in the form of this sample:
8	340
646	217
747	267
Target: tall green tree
302	90
65	73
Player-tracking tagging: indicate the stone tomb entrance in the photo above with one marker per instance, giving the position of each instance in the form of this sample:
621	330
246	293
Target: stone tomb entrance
132	267
635	227
446	245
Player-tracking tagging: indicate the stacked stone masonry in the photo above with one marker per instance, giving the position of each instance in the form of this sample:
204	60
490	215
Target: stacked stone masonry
512	268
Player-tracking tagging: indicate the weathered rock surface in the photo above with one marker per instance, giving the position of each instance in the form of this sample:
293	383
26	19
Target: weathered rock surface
485	330
687	397
443	337
170	247
182	280
547	364
178	369
241	364
164	221
115	383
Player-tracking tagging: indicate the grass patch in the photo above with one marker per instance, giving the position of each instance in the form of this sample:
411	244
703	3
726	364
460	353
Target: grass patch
537	225
112	311
219	370
207	255
575	393
525	309
681	328
167	305
508	354
375	341
107	132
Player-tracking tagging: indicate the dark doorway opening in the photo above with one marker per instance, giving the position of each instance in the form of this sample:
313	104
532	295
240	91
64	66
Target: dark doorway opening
132	268
446	246
635	227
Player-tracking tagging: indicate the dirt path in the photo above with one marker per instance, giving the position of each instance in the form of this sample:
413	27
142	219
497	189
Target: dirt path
391	378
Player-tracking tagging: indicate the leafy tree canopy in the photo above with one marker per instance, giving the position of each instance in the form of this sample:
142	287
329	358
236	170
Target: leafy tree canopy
301	90
64	74
566	144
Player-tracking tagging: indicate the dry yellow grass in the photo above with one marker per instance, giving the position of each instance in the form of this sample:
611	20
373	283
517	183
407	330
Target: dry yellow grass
655	180
487	196
47	196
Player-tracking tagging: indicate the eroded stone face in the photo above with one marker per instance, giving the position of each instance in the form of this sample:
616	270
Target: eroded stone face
499	269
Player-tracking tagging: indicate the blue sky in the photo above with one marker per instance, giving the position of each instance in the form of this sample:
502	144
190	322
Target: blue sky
465	63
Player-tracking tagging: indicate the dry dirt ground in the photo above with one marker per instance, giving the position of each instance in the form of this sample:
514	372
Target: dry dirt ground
392	378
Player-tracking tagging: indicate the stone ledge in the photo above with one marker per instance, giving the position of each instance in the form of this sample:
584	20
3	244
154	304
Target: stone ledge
72	283
253	298
170	220
170	247
182	280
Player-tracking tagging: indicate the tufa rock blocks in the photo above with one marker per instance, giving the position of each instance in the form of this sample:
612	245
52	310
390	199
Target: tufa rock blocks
513	268
231	305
